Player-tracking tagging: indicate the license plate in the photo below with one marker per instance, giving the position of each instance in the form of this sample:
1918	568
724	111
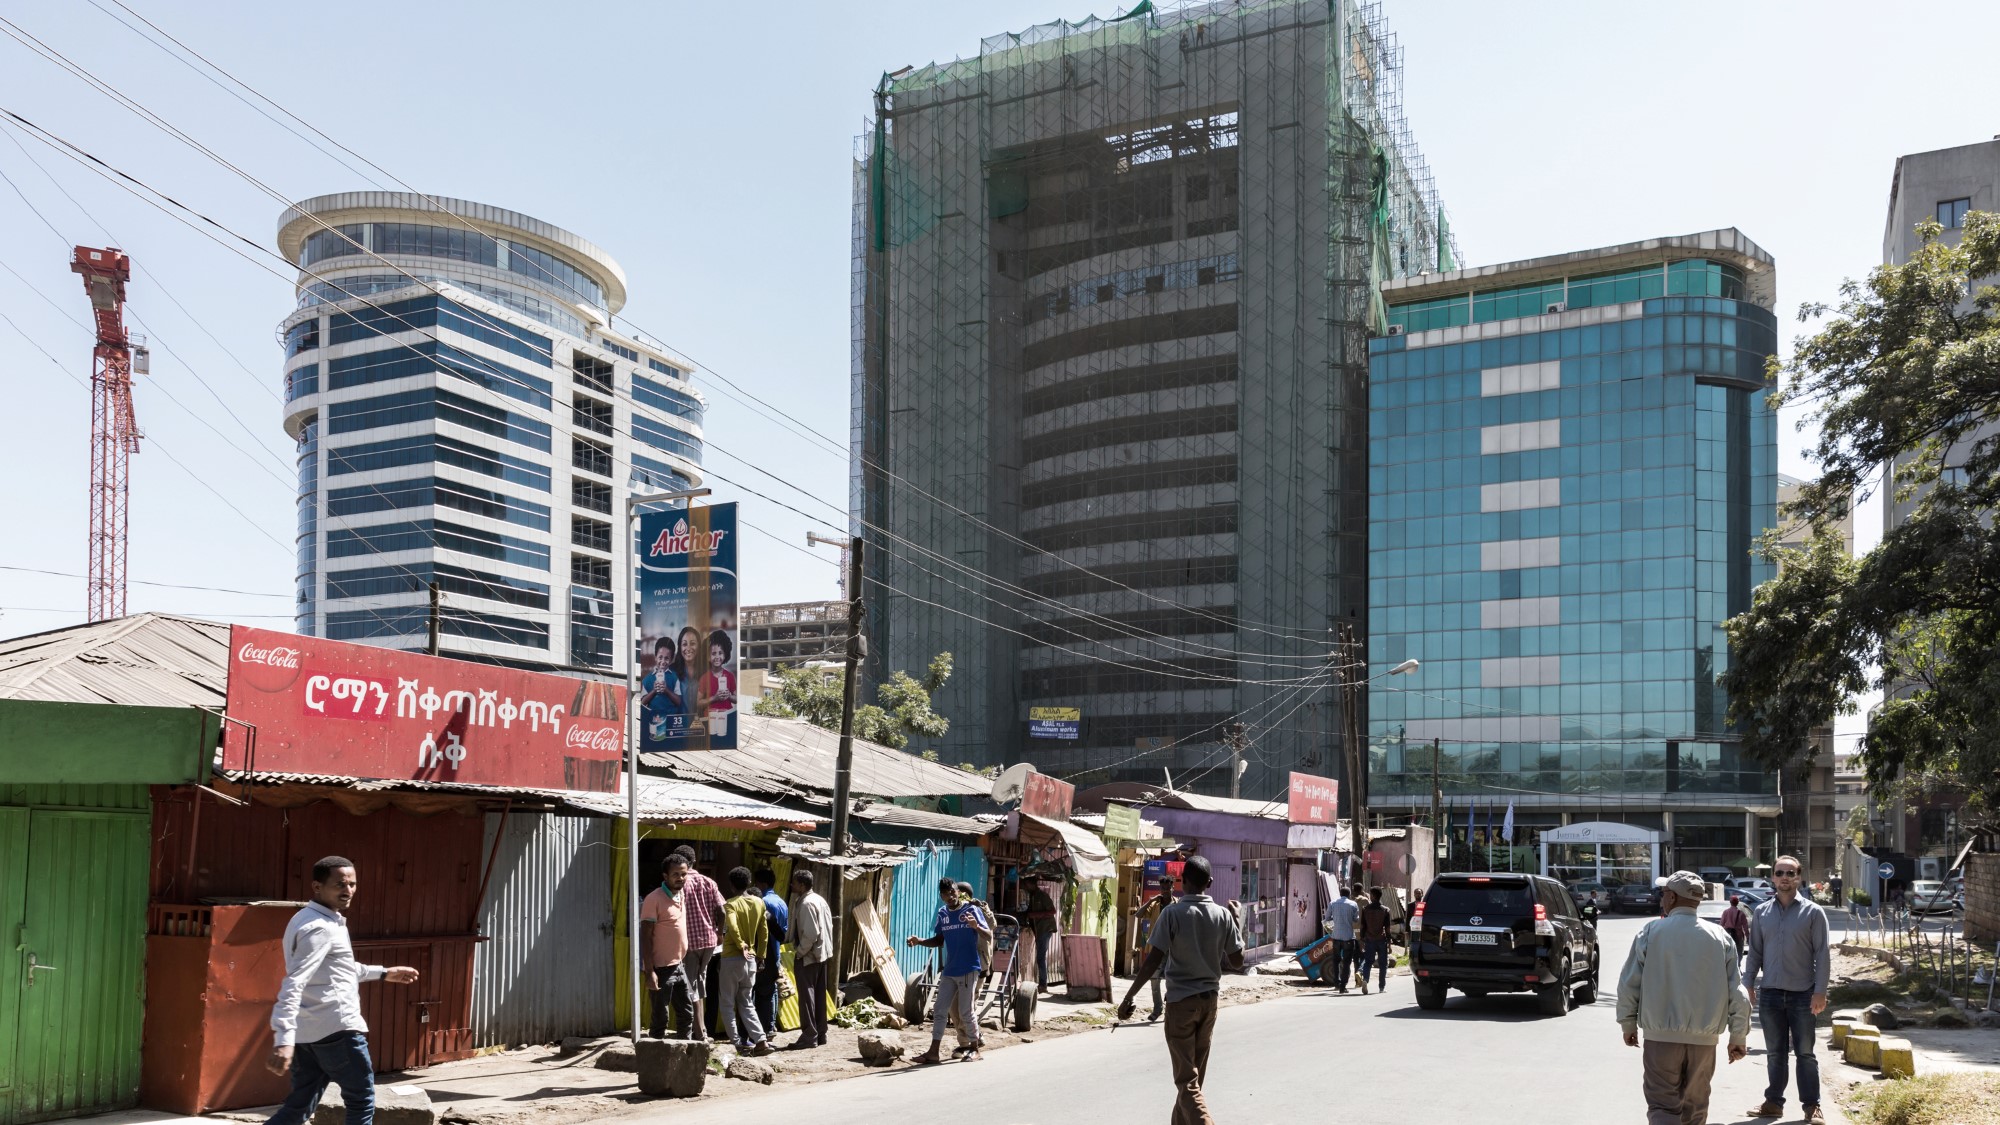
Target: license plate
1475	939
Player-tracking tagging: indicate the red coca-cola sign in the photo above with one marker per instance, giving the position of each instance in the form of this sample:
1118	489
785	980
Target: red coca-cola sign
348	710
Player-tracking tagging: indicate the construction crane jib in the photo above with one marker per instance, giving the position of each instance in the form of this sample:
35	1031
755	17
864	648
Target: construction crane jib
114	428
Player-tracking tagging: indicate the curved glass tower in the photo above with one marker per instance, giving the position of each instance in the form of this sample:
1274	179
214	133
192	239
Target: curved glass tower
466	417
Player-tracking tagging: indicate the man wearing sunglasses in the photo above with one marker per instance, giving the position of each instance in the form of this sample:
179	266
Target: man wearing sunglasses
1789	949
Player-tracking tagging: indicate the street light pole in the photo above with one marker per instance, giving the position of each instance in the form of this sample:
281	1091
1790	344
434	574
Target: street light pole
630	631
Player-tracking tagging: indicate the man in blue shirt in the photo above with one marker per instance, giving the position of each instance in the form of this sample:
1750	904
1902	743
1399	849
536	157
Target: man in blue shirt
957	930
779	917
1341	915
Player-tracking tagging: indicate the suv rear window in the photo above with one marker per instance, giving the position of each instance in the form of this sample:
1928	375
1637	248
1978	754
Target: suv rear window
1480	898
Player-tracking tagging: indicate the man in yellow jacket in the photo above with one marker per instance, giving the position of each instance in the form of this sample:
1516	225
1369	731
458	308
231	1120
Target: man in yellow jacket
1680	988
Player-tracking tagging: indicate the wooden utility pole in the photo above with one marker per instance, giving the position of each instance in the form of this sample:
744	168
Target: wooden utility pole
1437	797
1348	658
431	645
857	651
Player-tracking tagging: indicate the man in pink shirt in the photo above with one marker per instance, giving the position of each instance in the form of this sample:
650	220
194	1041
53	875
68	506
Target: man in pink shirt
703	910
663	935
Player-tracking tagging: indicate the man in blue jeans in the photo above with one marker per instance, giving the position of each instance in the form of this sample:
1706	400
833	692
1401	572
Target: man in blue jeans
1789	949
317	1033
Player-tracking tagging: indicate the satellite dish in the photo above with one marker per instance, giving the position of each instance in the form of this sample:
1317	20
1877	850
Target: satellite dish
1012	782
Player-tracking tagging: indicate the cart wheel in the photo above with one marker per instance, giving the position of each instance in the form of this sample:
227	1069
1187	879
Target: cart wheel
1024	1007
917	1002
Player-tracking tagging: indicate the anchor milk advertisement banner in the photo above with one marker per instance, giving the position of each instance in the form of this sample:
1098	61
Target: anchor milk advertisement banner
304	705
687	629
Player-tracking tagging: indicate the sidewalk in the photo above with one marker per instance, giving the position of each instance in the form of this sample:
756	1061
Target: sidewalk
537	1086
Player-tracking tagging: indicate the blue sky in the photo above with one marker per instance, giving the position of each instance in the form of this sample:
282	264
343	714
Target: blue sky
708	148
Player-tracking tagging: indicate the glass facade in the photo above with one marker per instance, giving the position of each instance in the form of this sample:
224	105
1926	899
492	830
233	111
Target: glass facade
457	244
1560	521
307	574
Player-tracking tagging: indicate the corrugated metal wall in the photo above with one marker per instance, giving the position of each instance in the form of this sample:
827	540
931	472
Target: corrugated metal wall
74	1030
913	899
545	970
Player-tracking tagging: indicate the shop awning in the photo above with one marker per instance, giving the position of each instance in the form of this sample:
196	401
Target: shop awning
1088	856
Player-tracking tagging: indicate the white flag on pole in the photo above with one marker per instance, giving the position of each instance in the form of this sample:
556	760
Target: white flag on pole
1507	826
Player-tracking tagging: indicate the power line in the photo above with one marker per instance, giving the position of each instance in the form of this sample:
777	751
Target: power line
724	381
143	582
501	372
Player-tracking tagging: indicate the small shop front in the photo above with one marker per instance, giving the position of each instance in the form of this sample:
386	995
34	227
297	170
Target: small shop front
1601	852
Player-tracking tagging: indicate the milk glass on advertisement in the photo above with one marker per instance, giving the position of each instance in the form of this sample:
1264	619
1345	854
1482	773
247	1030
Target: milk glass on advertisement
687	629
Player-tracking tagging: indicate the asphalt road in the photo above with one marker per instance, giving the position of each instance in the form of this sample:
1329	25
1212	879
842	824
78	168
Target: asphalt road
1319	1056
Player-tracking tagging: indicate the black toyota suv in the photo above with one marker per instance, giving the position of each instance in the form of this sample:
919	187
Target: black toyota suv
1484	932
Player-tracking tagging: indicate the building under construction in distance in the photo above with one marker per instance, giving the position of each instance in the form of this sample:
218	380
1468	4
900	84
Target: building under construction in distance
1113	285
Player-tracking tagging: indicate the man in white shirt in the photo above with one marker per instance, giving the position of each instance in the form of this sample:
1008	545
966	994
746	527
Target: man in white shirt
812	957
317	1033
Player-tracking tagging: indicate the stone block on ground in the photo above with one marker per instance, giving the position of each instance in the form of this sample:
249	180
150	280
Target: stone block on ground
672	1068
1984	1018
1837	1037
1881	1016
890	1021
1863	1050
880	1048
1897	1059
1851	1014
746	1069
394	1105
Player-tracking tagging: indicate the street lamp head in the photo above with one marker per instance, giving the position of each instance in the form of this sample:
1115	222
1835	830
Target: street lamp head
1405	668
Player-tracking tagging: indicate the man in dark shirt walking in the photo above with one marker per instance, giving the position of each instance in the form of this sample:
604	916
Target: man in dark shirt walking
1374	929
1193	941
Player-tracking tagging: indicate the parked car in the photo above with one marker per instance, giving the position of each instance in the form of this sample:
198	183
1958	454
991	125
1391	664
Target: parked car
1750	897
1928	896
1635	896
1714	874
1503	932
1590	894
1742	882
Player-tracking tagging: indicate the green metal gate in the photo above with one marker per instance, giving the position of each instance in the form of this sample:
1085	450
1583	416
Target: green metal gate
72	986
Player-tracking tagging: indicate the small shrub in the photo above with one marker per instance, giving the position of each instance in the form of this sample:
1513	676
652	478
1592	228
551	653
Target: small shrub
1859	897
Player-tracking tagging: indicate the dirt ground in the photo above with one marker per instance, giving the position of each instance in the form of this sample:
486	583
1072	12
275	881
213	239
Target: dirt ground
1860	980
535	1086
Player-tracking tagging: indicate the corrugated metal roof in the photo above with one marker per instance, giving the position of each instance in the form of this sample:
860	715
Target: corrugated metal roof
924	821
660	799
146	660
790	756
859	857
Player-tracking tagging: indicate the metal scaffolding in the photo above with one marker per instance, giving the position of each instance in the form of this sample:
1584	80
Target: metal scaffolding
1113	282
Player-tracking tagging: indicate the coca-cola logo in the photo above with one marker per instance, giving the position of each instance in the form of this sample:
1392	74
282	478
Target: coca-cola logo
599	740
277	656
266	666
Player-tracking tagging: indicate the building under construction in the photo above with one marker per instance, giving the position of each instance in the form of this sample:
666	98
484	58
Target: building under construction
1113	283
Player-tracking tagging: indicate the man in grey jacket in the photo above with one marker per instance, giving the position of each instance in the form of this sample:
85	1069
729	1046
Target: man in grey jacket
1680	987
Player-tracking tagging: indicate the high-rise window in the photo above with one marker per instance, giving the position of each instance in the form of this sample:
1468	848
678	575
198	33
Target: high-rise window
1951	212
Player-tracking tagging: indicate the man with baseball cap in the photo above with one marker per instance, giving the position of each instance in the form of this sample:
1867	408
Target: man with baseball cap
1680	987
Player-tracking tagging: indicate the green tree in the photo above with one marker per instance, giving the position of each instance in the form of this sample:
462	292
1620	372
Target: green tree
903	710
1906	374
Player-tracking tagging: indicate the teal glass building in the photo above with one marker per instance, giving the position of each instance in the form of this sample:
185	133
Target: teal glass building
1571	460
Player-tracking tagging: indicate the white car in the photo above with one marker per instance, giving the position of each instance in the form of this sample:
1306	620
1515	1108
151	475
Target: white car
1746	882
1928	896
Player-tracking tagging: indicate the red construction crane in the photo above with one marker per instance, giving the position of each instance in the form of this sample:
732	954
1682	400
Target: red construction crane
114	429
